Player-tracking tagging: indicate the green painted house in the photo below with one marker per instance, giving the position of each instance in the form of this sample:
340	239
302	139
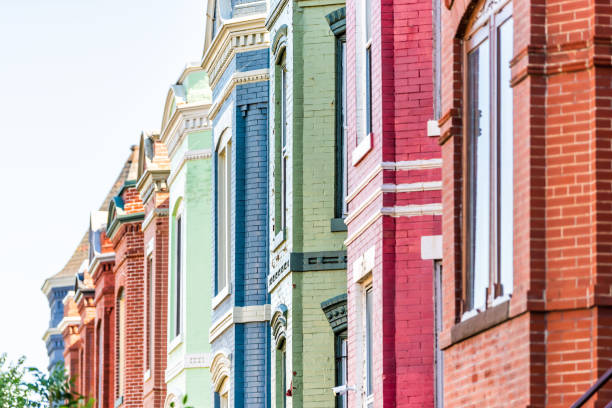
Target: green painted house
307	190
187	136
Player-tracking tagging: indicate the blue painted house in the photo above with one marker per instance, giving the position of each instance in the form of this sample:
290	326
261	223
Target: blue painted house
236	60
55	289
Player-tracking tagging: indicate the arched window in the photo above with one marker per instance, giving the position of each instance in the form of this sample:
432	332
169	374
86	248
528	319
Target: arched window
488	156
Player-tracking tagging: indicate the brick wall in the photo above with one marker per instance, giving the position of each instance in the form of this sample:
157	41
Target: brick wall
555	329
384	226
104	301
129	276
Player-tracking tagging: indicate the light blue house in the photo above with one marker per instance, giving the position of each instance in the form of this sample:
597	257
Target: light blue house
236	60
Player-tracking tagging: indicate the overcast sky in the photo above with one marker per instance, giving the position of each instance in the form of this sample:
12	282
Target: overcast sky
79	79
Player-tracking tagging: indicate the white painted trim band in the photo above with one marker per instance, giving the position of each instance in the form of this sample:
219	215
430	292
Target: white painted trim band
236	315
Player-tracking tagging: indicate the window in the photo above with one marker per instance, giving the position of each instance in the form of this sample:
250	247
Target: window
149	322
121	344
224	394
341	154
282	152
366	24
281	375
341	351
224	191
489	160
177	277
100	373
439	354
369	346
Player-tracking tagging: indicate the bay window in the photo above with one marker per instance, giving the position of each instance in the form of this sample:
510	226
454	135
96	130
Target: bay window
488	275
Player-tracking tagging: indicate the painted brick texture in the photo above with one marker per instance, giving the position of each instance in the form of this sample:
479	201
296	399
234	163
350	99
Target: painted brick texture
557	327
129	276
402	282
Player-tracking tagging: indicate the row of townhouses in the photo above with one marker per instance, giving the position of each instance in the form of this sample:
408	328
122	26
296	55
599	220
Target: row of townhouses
372	204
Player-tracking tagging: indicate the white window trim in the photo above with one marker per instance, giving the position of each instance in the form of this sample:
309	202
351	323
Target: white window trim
224	292
180	213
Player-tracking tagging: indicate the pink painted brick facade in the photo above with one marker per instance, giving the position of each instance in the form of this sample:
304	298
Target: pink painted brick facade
389	211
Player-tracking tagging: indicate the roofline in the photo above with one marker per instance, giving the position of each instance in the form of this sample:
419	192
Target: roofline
56	282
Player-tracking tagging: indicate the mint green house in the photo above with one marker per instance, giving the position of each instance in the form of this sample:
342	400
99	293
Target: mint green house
187	136
307	190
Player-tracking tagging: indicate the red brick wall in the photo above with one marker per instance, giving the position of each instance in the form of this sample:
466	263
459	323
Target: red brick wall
555	341
129	276
402	103
157	231
105	318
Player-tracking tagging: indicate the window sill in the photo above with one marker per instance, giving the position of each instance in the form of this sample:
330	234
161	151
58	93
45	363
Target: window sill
220	297
177	341
480	322
338	225
278	240
362	149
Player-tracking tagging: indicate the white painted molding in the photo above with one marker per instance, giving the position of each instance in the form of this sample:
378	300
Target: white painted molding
236	35
56	282
158	212
362	149
432	128
190	155
220	297
396	211
413	210
175	343
397	166
68	321
392	188
236	315
69	295
238	78
431	247
189	361
186	118
50	332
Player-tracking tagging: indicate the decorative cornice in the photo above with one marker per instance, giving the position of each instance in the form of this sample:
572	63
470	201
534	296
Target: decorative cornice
150	182
220	368
122	219
52	331
237	315
158	212
56	282
67	322
99	259
279	324
189	361
236	35
238	78
337	21
336	312
190	155
186	118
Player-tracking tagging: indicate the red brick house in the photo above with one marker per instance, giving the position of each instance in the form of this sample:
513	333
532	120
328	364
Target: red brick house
525	134
153	172
394	203
124	229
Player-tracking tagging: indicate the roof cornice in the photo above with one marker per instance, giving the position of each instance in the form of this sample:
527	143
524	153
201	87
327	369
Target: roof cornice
173	133
152	181
122	219
97	260
236	35
68	321
56	282
50	332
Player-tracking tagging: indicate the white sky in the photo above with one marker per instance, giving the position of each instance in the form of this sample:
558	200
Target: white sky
79	79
